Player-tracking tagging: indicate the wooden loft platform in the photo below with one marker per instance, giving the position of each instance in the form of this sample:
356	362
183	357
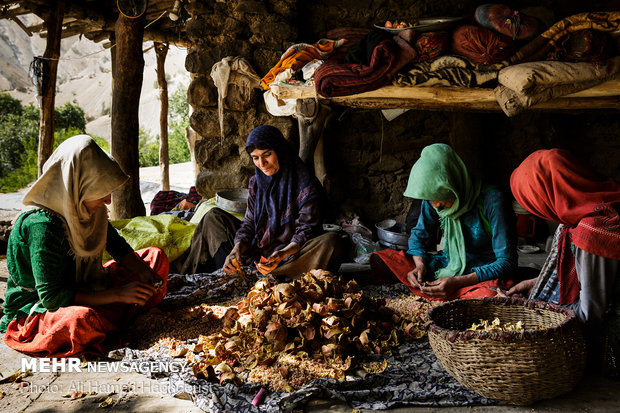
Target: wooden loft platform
313	113
603	96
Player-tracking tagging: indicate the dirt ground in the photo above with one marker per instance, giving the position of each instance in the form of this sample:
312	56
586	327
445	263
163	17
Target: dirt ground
133	392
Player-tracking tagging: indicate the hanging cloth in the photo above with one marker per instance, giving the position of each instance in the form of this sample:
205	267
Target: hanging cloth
232	70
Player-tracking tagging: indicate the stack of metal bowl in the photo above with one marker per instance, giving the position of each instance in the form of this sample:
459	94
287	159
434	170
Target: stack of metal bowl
392	234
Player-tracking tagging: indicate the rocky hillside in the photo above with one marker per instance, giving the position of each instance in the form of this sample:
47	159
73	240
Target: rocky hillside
84	75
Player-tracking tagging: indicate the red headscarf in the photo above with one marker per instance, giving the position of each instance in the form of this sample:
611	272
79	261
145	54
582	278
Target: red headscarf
554	186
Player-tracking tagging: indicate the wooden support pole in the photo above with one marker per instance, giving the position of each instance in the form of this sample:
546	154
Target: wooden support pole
161	50
128	71
48	84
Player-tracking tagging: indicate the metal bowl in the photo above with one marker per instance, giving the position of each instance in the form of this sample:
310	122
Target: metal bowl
426	24
235	200
392	234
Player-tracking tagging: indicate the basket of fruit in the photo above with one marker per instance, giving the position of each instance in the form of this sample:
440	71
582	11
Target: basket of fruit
512	350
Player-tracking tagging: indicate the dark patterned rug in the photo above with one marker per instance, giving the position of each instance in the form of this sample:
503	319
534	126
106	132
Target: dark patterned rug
414	376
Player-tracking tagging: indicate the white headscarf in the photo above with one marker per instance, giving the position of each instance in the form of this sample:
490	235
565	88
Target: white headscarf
79	170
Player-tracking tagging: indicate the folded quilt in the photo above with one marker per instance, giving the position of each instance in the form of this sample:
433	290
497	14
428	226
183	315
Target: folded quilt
388	57
449	70
525	85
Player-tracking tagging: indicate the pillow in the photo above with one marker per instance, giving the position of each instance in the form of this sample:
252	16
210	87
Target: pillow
526	77
481	46
527	84
504	20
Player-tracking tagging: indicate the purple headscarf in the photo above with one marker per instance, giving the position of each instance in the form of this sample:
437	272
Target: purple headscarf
279	197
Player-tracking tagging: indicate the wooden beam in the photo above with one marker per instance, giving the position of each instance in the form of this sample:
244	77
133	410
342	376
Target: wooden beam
161	50
603	96
7	13
127	73
22	25
48	84
164	37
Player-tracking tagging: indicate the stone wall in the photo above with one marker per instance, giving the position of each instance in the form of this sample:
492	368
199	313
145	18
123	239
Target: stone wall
367	158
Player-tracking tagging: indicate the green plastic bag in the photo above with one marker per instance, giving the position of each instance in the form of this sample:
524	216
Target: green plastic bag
168	232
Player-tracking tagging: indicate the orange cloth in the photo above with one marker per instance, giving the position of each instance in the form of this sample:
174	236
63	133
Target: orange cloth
76	330
400	264
296	59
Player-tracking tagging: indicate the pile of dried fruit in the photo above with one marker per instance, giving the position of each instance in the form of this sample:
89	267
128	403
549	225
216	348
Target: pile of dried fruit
398	24
286	335
497	326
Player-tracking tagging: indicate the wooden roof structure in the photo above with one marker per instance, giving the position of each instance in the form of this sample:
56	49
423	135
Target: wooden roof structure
95	19
126	25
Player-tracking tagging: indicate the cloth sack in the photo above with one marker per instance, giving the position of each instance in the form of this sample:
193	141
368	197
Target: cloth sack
168	232
527	84
234	71
504	20
480	45
583	46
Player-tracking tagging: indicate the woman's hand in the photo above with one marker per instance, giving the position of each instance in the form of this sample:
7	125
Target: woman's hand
441	288
134	293
446	286
236	252
416	276
523	288
280	255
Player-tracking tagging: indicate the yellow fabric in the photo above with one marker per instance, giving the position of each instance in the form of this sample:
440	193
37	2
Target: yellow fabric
605	21
206	205
166	231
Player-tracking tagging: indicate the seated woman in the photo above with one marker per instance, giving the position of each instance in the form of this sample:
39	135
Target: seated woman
282	223
479	241
60	301
583	267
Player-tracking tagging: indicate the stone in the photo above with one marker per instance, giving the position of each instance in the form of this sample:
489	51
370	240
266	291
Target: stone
206	123
198	9
254	7
210	181
240	98
202	92
199	28
271	32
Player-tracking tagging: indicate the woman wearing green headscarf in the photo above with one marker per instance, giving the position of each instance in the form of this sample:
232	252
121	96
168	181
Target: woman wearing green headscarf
479	241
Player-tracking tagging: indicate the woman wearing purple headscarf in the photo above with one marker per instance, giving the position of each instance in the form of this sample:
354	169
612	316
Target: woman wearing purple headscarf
282	223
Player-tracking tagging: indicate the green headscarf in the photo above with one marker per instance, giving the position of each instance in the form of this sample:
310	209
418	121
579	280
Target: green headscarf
441	175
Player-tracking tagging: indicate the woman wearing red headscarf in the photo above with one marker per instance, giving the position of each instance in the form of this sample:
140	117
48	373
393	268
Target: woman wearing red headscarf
583	267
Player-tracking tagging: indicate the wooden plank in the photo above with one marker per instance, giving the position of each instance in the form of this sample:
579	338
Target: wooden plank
161	50
603	96
47	124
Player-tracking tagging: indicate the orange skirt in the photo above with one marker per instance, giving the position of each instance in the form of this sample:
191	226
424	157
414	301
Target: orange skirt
400	264
76	330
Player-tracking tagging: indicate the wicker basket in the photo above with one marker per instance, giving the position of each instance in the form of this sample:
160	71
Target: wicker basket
515	367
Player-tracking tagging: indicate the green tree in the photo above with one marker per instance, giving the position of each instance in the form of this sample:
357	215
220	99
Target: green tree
15	132
70	116
179	120
19	134
148	147
9	105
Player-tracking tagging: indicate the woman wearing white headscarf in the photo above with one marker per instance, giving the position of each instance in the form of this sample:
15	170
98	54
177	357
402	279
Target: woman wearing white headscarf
60	300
